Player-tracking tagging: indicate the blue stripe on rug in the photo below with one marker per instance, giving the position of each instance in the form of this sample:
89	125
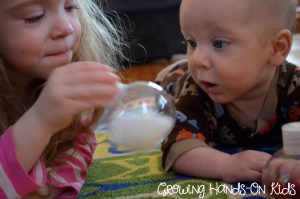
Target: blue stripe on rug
113	187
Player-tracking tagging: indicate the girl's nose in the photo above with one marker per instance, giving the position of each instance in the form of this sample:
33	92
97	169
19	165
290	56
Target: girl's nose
61	28
201	58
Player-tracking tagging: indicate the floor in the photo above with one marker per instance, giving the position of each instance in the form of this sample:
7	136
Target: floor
294	55
147	72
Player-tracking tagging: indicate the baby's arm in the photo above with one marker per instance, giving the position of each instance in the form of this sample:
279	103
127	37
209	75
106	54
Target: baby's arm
186	151
206	162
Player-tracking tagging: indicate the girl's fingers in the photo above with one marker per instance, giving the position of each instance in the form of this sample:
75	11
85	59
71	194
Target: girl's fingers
74	100
87	77
83	106
78	72
86	66
92	92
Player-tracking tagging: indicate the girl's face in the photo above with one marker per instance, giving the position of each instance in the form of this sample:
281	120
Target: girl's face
37	36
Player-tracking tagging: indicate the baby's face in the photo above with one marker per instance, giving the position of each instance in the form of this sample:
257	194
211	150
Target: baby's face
225	56
38	36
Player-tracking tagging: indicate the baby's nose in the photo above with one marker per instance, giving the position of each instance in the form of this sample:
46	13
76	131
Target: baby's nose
201	59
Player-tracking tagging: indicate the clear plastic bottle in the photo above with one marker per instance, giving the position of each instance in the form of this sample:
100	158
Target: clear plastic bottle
141	116
281	176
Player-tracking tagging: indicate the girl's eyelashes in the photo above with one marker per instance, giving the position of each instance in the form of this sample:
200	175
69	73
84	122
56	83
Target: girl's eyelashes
71	8
34	19
220	44
38	18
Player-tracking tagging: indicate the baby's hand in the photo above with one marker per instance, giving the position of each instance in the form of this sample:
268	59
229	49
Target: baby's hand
282	177
244	166
71	90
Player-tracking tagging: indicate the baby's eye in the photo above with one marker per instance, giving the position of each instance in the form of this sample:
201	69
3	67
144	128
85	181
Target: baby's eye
192	43
34	19
220	44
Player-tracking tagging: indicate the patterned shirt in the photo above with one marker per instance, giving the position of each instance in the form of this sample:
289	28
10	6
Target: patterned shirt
201	121
16	183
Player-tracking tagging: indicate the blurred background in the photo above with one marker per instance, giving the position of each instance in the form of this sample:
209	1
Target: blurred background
152	28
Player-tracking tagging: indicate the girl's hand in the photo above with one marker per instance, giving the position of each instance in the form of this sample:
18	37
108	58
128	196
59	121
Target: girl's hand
244	166
71	90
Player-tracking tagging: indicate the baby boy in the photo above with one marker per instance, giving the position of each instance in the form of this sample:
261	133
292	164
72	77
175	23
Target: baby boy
235	88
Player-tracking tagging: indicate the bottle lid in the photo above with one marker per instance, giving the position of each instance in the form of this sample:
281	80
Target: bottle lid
291	137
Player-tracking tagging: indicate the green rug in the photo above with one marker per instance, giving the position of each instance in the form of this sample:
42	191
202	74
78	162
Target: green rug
120	173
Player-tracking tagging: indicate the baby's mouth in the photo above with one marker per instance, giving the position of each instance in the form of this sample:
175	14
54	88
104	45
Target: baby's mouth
209	87
207	84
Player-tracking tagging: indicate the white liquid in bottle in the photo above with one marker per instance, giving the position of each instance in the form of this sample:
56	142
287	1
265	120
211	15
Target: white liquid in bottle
139	131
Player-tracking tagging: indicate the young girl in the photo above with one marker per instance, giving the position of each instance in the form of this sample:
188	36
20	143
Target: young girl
49	77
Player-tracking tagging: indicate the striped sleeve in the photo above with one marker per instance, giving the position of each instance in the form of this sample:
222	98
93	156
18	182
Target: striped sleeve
72	175
15	182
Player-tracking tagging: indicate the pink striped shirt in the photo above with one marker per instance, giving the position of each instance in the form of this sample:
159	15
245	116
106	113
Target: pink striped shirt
16	183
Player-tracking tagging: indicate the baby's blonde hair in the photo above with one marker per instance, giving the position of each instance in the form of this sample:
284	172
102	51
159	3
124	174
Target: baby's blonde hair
272	16
102	40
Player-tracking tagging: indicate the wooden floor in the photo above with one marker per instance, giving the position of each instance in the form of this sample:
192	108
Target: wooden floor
294	55
148	72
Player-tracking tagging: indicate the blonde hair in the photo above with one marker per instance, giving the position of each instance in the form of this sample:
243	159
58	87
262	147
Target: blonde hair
102	40
270	16
273	15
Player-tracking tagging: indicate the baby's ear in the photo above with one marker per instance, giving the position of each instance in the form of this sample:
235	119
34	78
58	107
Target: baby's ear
281	46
